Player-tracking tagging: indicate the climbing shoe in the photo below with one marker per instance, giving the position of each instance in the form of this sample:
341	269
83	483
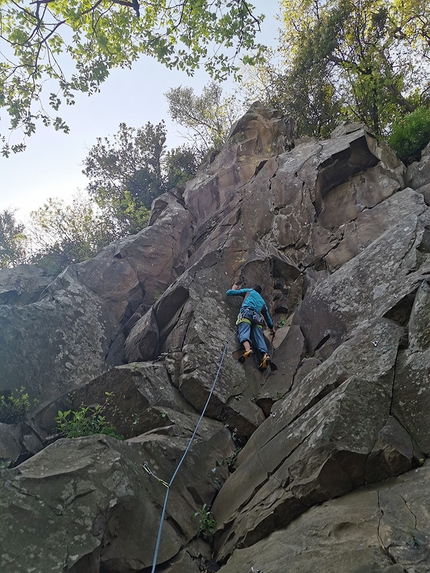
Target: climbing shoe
265	362
246	355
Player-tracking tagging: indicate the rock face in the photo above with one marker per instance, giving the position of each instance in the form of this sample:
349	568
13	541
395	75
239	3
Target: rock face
318	462
382	529
92	493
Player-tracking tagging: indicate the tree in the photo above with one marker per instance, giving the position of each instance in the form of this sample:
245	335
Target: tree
180	165
362	60
303	91
411	134
208	117
12	240
131	162
128	171
64	234
41	39
374	51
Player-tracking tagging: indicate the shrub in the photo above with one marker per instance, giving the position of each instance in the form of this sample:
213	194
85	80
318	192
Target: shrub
86	421
411	134
14	405
207	524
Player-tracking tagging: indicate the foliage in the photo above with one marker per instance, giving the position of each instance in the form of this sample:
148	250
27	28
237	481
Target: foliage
130	169
411	134
304	92
180	164
131	162
126	174
14	405
121	214
207	524
64	234
86	421
40	40
208	117
364	61
12	240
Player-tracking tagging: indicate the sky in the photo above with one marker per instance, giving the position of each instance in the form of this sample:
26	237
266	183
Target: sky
51	166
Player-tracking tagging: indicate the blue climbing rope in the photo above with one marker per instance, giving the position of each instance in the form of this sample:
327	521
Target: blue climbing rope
169	485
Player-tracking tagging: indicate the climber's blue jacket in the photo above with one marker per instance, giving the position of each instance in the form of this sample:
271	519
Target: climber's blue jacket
253	301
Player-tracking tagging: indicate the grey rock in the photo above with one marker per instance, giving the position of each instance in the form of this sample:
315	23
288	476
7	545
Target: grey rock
300	457
379	529
10	445
135	398
93	505
418	173
23	284
411	392
337	233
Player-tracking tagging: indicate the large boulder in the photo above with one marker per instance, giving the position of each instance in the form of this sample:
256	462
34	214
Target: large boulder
77	327
87	504
378	529
411	399
18	442
319	443
55	344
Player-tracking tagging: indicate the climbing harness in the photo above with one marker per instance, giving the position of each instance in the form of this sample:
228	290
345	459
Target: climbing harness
250	316
169	485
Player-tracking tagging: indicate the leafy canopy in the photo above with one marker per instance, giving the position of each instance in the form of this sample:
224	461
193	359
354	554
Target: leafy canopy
130	161
65	234
359	60
12	240
376	53
128	170
41	40
208	117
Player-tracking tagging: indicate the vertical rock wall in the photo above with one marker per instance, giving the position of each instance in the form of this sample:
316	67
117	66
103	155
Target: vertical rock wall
337	234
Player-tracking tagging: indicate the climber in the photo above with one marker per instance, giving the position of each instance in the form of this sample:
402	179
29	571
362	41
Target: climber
250	323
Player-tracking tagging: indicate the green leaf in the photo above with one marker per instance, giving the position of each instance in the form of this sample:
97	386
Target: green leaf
98	36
